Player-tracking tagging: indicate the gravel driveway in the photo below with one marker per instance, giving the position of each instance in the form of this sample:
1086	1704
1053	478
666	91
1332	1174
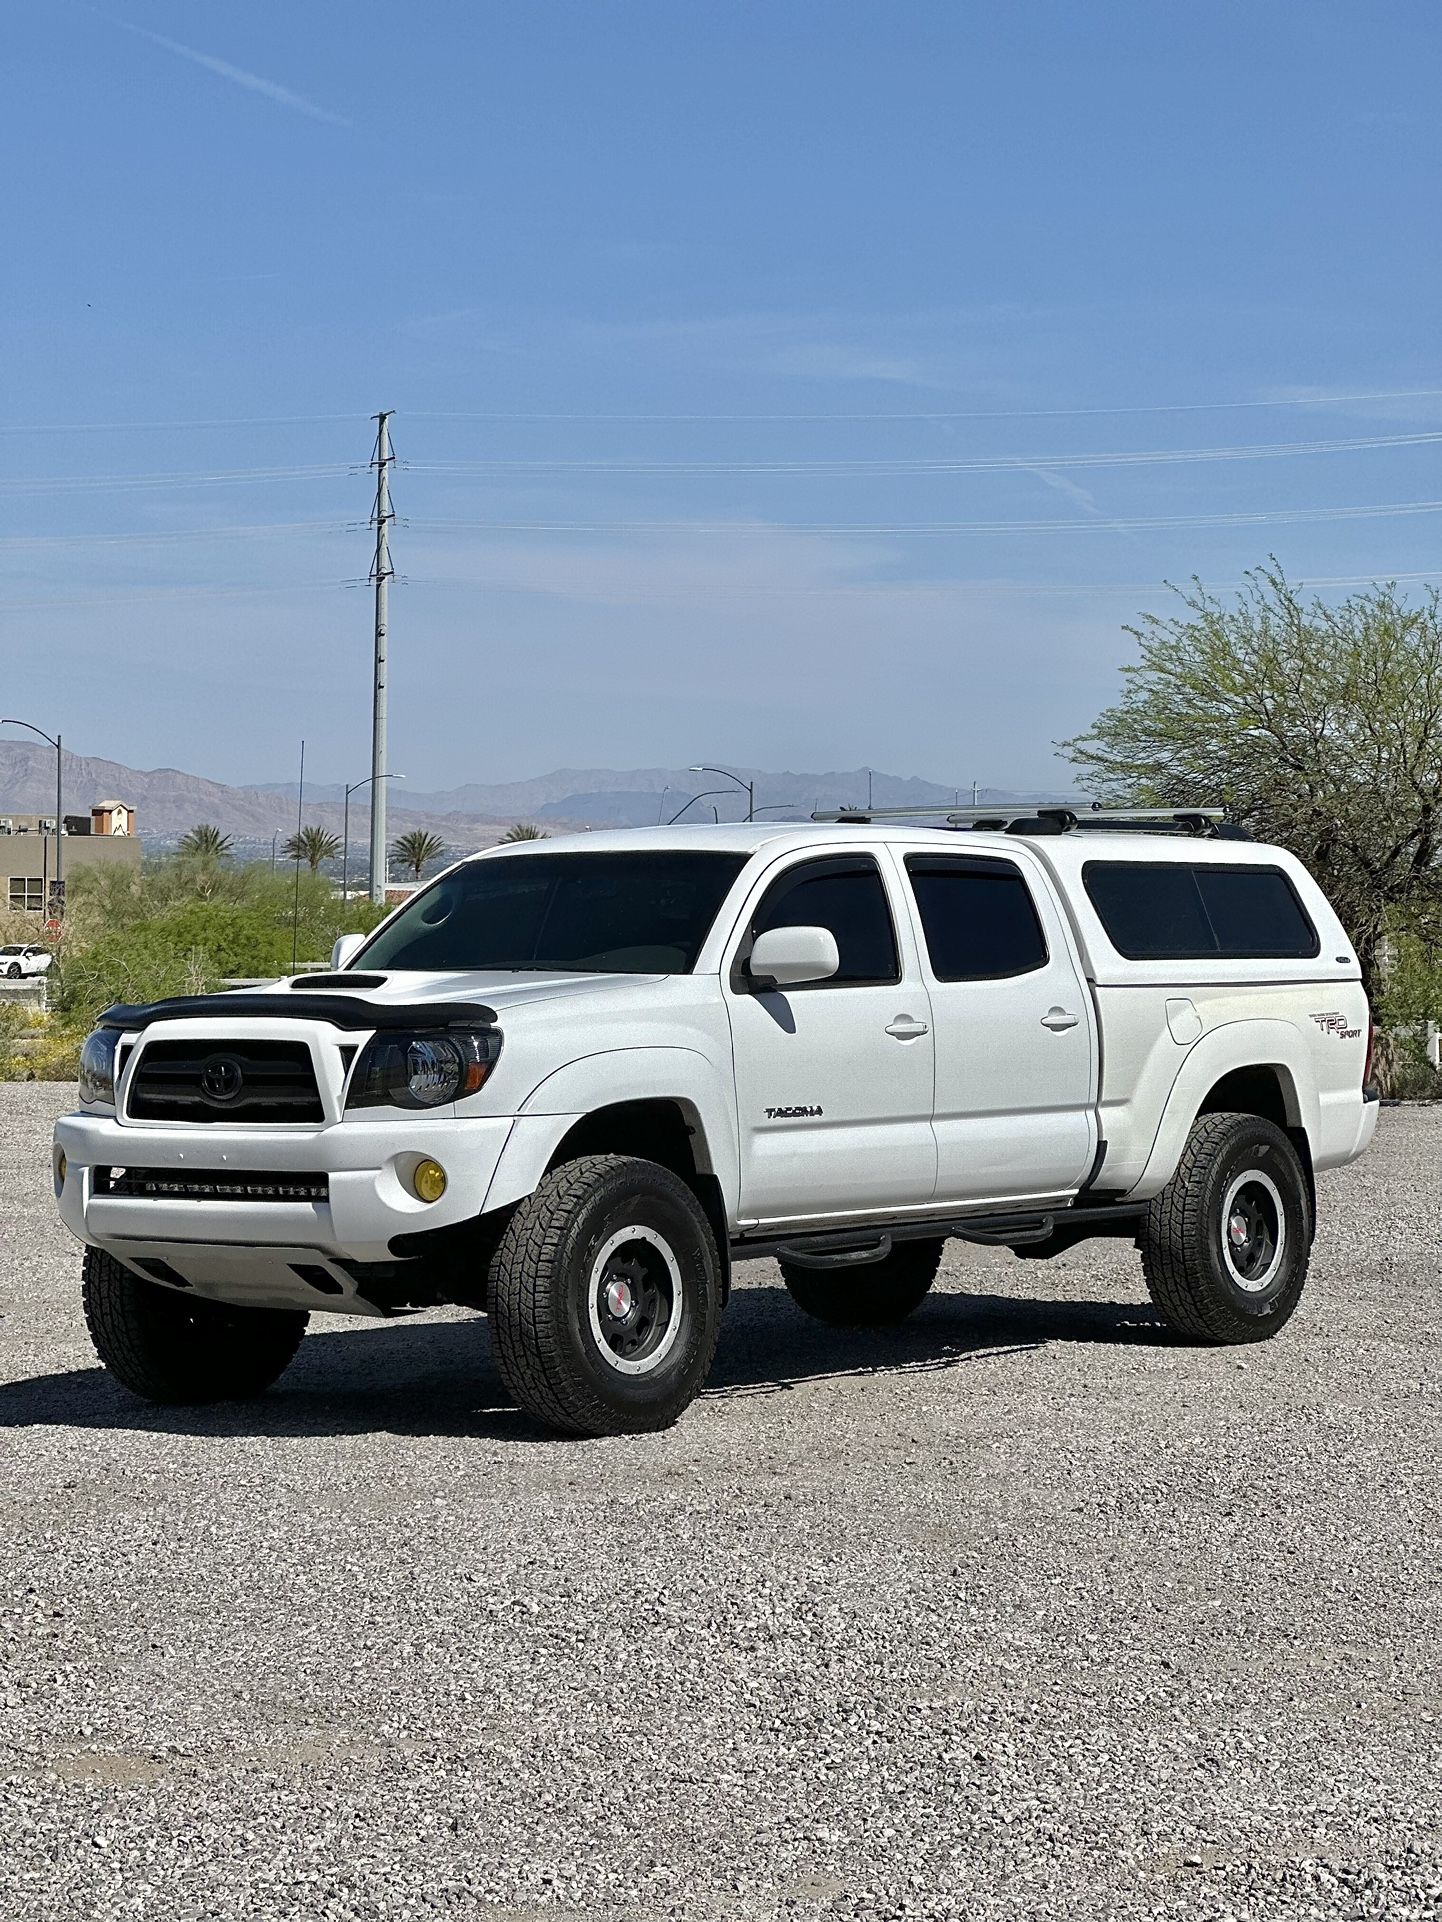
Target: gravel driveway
1021	1610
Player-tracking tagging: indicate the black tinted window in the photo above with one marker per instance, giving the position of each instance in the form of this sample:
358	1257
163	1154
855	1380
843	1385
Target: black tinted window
1155	910
642	913
849	898
1255	911
978	918
1149	908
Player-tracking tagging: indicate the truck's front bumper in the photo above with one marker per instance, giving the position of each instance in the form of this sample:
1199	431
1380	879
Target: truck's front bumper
255	1250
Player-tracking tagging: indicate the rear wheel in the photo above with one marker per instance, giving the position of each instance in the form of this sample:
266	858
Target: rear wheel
605	1298
172	1347
871	1295
1226	1244
14	970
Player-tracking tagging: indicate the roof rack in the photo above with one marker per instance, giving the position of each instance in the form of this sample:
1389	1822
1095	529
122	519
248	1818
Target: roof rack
1051	817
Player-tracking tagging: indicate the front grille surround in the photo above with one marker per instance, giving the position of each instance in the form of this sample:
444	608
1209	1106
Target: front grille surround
211	1184
217	1080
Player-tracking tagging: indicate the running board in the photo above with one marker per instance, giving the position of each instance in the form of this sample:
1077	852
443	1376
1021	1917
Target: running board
852	1247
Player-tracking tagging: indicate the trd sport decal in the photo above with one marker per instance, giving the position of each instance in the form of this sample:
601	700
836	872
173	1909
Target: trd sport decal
1338	1025
792	1114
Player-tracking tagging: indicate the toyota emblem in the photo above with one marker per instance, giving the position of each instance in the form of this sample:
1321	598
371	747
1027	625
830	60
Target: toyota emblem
221	1078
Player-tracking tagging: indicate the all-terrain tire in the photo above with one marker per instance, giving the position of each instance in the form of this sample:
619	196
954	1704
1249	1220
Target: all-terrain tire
177	1348
875	1294
605	1298
1211	1281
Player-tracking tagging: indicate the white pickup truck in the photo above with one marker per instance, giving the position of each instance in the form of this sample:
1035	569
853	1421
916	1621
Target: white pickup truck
570	1083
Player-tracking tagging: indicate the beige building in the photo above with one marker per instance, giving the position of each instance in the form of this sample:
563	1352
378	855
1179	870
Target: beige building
27	851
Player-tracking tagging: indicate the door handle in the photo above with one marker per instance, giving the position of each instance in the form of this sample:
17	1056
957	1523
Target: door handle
1059	1019
903	1028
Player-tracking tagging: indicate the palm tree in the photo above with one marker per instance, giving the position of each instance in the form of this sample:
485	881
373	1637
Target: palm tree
525	831
206	843
312	845
413	850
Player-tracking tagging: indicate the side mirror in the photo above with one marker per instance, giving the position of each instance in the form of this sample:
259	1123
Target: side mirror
346	945
786	957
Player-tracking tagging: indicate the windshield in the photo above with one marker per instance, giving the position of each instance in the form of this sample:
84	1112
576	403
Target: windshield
642	913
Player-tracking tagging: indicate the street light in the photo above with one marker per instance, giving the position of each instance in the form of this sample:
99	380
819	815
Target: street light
54	740
692	802
748	788
345	836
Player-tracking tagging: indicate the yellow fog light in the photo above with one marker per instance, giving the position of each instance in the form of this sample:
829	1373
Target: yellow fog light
62	1168
428	1178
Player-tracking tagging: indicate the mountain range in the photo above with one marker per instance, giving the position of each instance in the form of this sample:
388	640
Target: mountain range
168	801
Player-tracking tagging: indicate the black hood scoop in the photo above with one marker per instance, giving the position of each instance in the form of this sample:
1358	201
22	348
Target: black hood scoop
327	983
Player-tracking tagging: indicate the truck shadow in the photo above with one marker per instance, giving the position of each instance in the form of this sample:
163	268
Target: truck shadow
438	1378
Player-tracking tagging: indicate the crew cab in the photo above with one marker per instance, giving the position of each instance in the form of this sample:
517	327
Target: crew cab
571	1082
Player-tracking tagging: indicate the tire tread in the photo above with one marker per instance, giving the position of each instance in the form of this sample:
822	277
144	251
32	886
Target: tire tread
876	1294
1175	1238
181	1349
525	1275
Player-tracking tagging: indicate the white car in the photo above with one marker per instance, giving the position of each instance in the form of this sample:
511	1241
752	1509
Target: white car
21	958
571	1082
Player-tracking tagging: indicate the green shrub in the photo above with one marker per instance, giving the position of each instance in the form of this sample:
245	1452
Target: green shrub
179	930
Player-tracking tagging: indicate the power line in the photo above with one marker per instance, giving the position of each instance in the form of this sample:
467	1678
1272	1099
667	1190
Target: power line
81	483
998	413
168	426
151	595
1131	524
176	534
977	464
941	589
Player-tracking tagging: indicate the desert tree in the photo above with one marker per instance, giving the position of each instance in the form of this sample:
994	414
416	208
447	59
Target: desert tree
1319	726
524	831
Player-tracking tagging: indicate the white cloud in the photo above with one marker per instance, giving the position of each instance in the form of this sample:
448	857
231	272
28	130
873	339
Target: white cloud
1062	485
253	82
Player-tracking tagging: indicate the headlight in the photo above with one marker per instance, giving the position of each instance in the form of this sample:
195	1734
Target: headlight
422	1070
97	1068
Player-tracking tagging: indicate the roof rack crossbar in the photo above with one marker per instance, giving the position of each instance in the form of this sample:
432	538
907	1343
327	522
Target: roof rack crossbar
1077	813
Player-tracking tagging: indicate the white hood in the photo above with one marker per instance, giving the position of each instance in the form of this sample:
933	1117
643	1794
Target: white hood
498	990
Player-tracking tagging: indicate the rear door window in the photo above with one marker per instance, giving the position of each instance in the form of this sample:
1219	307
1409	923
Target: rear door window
1176	910
977	917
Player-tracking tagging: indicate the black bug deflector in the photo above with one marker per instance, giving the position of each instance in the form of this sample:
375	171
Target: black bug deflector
341	1011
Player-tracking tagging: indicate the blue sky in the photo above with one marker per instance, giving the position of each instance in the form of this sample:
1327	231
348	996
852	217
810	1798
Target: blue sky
701	323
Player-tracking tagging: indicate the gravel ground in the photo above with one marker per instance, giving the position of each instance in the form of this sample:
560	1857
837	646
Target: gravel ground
1020	1610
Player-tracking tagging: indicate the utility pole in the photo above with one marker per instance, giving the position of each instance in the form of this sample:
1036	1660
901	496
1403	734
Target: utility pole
299	818
381	572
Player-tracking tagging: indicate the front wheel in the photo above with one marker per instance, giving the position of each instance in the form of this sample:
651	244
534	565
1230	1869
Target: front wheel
176	1348
605	1298
1226	1244
875	1294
